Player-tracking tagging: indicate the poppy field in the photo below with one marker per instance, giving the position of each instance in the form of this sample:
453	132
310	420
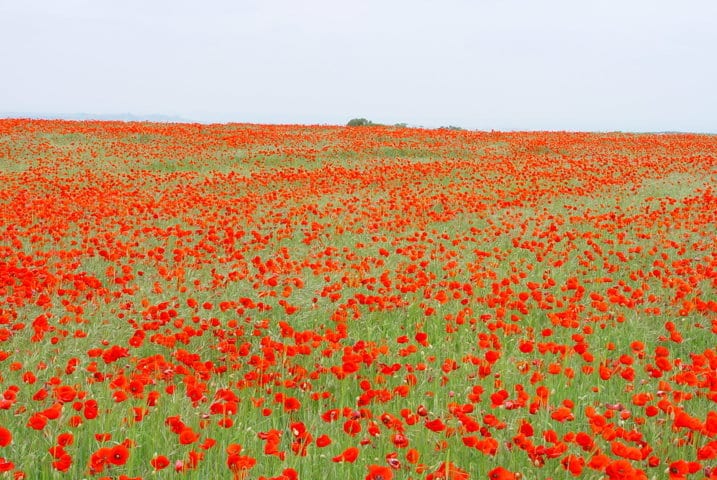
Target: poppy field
382	303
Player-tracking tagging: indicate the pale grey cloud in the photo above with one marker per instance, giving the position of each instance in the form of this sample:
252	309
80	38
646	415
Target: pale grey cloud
577	65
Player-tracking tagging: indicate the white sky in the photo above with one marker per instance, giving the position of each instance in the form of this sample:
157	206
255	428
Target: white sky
637	65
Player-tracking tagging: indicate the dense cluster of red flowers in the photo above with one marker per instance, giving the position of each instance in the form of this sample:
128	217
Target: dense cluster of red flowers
270	302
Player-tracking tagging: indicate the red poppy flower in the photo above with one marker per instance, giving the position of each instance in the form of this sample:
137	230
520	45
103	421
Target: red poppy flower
349	455
159	462
412	456
323	441
37	421
5	437
623	470
65	439
119	455
91	409
63	463
237	462
500	473
680	469
436	425
573	463
379	472
100	459
6	465
448	471
187	436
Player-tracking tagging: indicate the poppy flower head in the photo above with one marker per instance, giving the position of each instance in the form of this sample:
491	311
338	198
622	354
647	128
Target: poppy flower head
5	437
448	471
119	455
160	462
379	472
501	473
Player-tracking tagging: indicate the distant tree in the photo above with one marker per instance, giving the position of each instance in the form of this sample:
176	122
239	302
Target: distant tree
400	125
357	122
360	122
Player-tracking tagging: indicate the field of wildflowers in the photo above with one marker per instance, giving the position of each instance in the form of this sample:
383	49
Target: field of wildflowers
379	303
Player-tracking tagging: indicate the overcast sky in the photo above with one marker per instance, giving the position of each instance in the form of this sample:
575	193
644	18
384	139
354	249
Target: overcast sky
640	65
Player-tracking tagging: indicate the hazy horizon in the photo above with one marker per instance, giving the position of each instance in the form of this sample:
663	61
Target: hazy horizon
640	66
161	118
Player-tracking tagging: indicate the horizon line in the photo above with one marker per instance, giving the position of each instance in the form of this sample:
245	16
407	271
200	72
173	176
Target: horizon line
129	117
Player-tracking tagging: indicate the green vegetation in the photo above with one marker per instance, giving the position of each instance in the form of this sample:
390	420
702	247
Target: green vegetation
361	122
